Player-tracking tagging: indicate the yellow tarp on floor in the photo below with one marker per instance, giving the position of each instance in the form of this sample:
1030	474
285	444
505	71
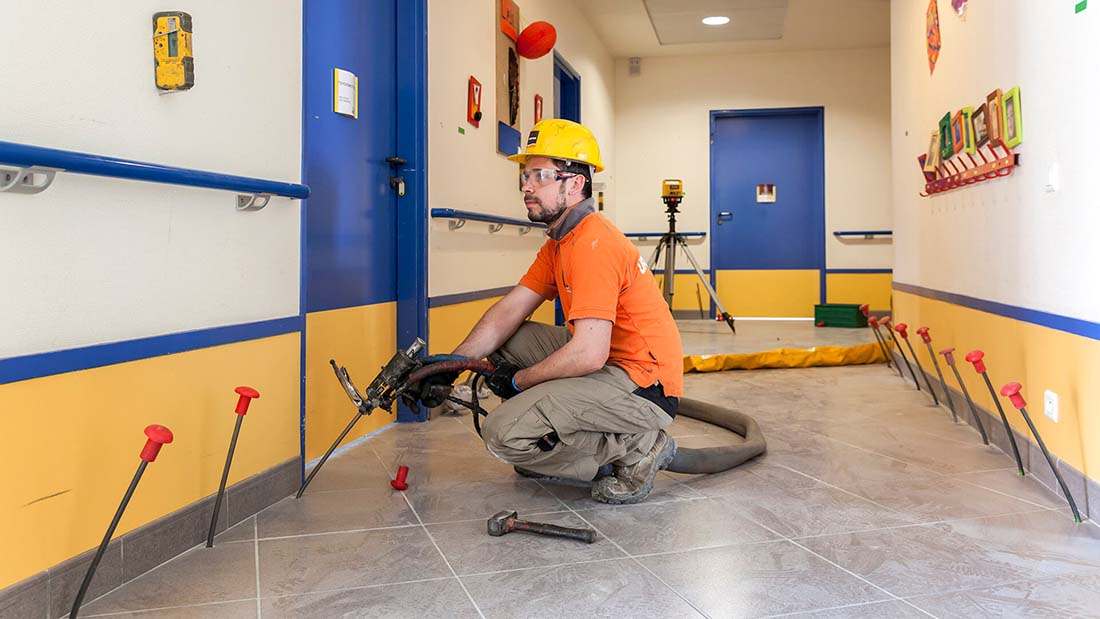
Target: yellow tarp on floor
786	358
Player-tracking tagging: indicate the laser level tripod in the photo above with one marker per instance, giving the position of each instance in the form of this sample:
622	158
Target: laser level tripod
672	193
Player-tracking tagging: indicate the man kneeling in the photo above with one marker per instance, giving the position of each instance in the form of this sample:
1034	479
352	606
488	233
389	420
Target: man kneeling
589	401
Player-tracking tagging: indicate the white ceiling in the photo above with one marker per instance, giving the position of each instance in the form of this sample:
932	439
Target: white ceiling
674	27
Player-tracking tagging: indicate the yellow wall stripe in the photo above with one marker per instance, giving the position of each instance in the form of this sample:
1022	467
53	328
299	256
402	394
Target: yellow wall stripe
72	455
1038	357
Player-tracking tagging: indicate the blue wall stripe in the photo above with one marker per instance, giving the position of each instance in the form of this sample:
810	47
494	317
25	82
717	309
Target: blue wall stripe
38	365
1075	326
830	271
466	297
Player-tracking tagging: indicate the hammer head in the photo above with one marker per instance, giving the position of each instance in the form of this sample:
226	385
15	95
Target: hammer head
502	523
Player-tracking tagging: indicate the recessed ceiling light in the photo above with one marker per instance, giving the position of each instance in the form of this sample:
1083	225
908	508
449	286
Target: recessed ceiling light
717	20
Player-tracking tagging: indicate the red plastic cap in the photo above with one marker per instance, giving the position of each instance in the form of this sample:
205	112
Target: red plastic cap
884	321
947	354
866	309
247	395
402	475
157	436
872	321
903	329
923	333
1012	392
975	357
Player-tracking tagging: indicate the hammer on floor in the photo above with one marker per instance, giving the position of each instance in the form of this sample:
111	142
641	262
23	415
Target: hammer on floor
508	521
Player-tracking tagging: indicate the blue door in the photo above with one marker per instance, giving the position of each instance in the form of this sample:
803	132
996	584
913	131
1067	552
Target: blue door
351	216
768	211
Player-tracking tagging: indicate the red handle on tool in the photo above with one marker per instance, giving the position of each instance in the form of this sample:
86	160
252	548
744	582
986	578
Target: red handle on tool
247	395
158	436
903	330
1012	392
873	321
946	352
884	321
866	309
975	357
923	333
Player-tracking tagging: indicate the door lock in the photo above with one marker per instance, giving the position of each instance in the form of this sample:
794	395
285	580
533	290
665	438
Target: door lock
723	215
397	182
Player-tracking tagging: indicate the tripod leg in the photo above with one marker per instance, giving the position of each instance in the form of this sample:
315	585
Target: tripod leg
670	269
706	284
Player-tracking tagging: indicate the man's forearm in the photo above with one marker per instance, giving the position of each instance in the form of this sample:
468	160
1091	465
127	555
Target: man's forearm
566	362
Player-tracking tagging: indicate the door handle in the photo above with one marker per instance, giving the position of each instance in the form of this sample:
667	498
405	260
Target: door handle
722	215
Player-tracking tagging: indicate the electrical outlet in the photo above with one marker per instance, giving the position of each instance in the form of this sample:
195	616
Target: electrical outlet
1050	405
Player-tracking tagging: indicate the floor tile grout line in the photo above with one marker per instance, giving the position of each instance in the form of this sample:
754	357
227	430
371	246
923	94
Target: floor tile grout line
828	608
994	490
844	490
903	512
147	610
920	524
543	567
431	538
256	548
838	566
635	560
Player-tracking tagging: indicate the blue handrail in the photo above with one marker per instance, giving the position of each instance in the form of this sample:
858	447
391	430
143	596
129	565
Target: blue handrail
864	233
25	156
649	234
450	213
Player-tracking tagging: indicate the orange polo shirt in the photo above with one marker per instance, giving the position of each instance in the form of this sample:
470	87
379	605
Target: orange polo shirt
598	273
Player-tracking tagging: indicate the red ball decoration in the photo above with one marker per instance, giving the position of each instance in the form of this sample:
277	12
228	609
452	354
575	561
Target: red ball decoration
536	40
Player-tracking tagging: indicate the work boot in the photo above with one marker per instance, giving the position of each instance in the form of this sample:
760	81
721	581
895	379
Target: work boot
633	483
604	471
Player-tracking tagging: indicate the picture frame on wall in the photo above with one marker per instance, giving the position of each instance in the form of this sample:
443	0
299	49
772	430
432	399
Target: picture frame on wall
994	118
981	129
922	161
957	137
1013	118
934	156
947	148
967	114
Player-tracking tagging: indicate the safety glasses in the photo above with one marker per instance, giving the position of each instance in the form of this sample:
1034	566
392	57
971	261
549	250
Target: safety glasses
540	177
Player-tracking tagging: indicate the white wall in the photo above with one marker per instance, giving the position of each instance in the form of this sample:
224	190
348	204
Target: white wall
95	260
464	171
1005	240
662	129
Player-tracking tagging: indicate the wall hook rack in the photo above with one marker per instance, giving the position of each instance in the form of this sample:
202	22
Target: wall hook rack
955	173
26	181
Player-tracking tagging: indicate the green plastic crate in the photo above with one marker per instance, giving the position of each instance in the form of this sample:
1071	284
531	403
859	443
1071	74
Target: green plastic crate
839	315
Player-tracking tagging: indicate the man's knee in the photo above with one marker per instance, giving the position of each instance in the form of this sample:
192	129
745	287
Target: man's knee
511	432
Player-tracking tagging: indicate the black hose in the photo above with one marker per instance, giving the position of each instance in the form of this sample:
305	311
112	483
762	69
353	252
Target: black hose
718	459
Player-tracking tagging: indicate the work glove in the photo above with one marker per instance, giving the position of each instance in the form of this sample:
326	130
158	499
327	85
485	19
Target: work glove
435	388
503	380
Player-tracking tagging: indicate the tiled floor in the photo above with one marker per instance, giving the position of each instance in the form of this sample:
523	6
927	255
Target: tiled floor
869	503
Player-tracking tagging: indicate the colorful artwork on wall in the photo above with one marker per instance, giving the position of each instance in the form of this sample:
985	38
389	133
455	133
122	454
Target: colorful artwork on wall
1013	119
947	147
995	118
981	129
932	30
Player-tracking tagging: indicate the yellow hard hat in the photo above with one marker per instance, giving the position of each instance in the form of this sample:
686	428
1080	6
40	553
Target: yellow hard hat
558	138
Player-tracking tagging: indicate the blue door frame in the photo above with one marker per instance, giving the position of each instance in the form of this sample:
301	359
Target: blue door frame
412	144
819	224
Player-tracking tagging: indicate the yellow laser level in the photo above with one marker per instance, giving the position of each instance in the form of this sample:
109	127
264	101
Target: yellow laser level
672	188
175	66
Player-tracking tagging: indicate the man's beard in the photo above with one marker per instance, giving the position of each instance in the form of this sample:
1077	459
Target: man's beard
548	216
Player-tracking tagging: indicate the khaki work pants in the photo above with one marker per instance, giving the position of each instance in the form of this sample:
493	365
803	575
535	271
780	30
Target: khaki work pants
597	417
